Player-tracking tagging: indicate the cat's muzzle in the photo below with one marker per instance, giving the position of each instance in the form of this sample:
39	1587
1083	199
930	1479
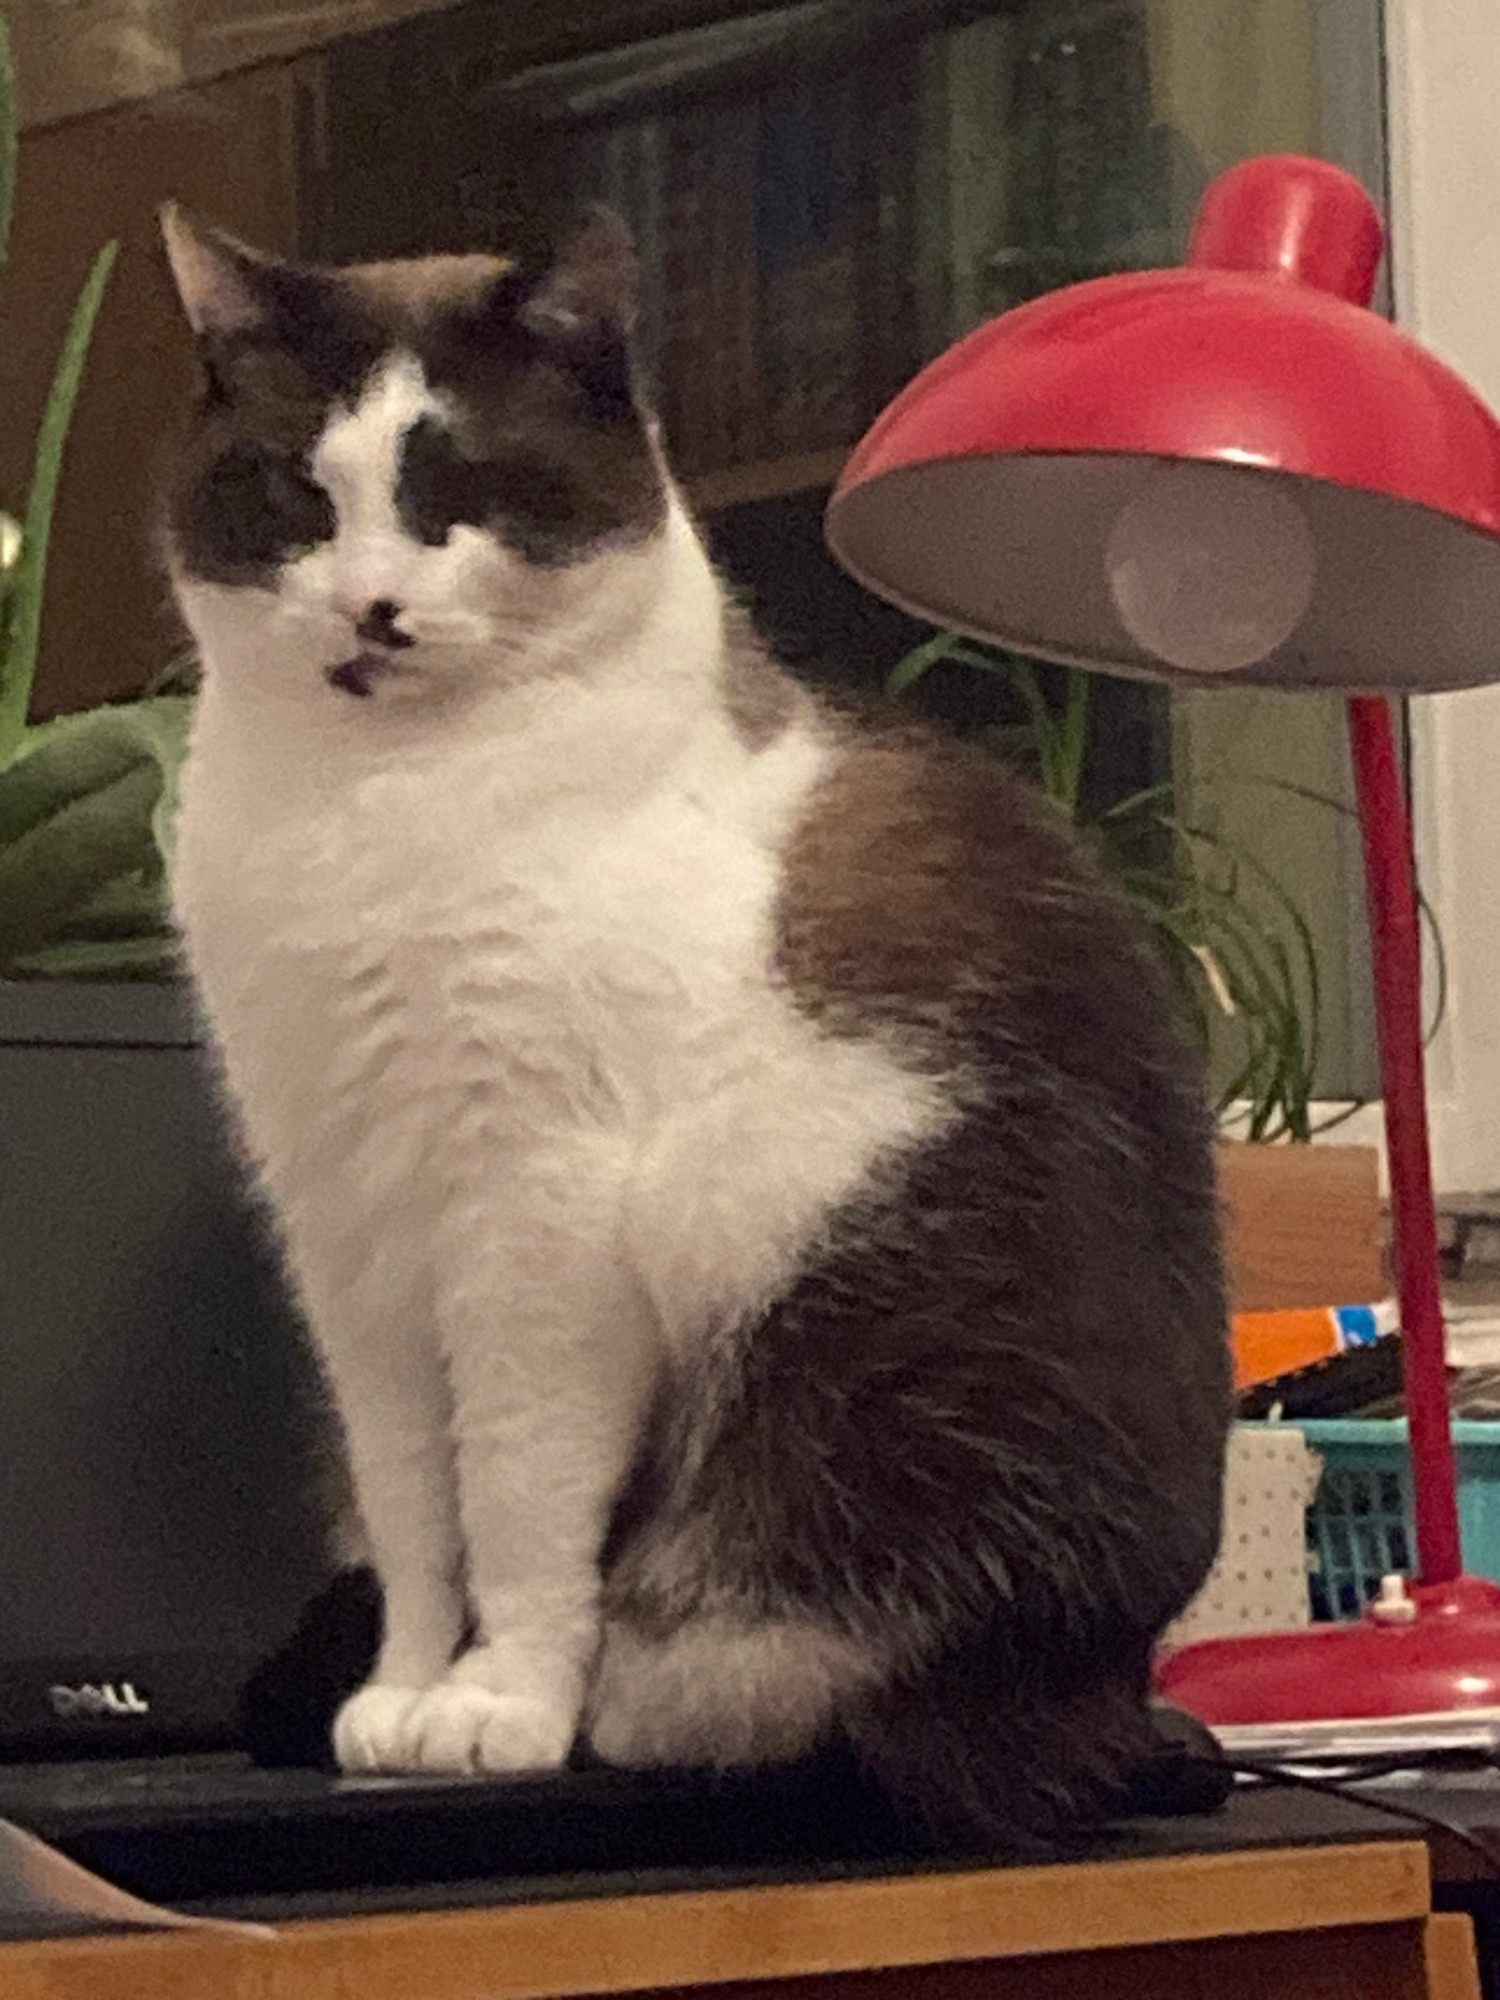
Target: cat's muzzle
381	637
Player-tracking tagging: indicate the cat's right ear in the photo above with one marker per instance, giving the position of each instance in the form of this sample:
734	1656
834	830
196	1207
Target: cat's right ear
594	283
221	282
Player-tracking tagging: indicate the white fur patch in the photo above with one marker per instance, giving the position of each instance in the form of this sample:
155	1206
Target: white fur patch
720	1693
489	960
371	557
357	457
451	1728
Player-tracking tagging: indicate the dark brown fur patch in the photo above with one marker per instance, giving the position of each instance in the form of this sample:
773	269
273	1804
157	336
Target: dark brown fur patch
983	1432
241	498
927	889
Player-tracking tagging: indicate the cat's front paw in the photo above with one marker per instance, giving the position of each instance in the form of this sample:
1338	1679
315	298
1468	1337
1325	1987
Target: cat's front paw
461	1727
371	1732
454	1727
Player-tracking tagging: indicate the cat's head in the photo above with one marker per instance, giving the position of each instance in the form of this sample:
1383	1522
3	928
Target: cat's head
397	477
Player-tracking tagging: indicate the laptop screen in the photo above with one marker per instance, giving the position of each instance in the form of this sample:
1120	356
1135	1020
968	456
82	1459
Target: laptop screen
159	1502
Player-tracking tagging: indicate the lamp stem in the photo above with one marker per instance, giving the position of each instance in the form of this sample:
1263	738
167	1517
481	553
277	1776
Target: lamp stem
1396	952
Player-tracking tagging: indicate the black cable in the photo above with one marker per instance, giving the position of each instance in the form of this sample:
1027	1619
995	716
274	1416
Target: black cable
1347	1790
1363	1768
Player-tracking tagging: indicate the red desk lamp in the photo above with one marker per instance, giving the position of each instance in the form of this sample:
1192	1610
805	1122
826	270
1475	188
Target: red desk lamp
1233	474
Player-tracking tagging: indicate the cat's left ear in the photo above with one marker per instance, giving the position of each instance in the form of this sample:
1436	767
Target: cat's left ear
220	281
593	285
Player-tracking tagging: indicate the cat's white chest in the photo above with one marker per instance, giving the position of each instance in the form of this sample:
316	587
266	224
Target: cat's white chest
416	999
403	949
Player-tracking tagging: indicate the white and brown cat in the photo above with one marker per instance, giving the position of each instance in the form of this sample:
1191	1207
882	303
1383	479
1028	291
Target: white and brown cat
739	1169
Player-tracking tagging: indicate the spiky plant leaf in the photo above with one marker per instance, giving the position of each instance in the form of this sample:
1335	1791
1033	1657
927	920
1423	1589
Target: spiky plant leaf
23	619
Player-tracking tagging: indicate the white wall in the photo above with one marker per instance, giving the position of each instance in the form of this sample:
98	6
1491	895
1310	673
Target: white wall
1443	60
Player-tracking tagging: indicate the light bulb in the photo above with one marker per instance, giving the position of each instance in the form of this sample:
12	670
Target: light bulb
1210	567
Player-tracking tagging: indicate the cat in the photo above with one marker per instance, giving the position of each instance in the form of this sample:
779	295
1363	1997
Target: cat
749	1196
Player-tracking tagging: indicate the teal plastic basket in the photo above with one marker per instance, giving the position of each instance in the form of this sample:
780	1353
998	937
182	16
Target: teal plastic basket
1360	1525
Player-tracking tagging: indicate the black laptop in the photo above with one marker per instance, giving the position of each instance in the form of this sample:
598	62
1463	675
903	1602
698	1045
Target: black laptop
159	1528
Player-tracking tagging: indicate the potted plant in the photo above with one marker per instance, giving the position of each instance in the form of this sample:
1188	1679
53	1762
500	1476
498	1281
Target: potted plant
85	799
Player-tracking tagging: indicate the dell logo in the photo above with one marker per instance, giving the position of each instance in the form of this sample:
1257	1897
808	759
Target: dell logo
101	1701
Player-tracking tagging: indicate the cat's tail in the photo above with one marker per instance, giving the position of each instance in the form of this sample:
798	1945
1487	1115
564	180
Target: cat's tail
1025	1769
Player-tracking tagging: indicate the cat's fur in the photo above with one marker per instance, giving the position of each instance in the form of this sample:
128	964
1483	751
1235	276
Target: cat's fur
746	1189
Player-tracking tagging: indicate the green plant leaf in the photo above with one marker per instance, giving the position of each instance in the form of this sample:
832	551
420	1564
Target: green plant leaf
1427	915
1242	857
59	864
56	770
1022	677
115	958
83	824
997	661
1272	1071
1073	741
73	754
910	668
130	906
1277	1016
29	579
1147	800
162	723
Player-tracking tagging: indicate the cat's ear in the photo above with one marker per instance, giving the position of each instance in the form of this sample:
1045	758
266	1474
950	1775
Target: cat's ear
594	283
222	283
583	312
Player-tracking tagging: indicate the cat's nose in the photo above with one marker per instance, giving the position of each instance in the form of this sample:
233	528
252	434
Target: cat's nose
379	624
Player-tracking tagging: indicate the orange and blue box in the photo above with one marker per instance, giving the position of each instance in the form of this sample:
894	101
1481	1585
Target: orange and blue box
1268	1345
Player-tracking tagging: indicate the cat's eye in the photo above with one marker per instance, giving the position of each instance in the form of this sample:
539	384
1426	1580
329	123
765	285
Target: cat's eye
254	510
436	488
524	498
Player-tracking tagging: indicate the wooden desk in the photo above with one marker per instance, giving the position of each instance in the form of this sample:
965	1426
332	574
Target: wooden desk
1348	1921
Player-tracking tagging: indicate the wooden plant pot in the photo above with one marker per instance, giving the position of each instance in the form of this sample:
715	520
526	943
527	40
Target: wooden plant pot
1302	1225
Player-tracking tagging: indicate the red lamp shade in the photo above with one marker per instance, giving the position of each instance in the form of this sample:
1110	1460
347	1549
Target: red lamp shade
1072	478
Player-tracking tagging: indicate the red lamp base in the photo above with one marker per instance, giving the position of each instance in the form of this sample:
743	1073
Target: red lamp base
1440	1658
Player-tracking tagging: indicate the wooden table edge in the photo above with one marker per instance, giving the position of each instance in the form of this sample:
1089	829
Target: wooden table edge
1451	1960
631	1944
